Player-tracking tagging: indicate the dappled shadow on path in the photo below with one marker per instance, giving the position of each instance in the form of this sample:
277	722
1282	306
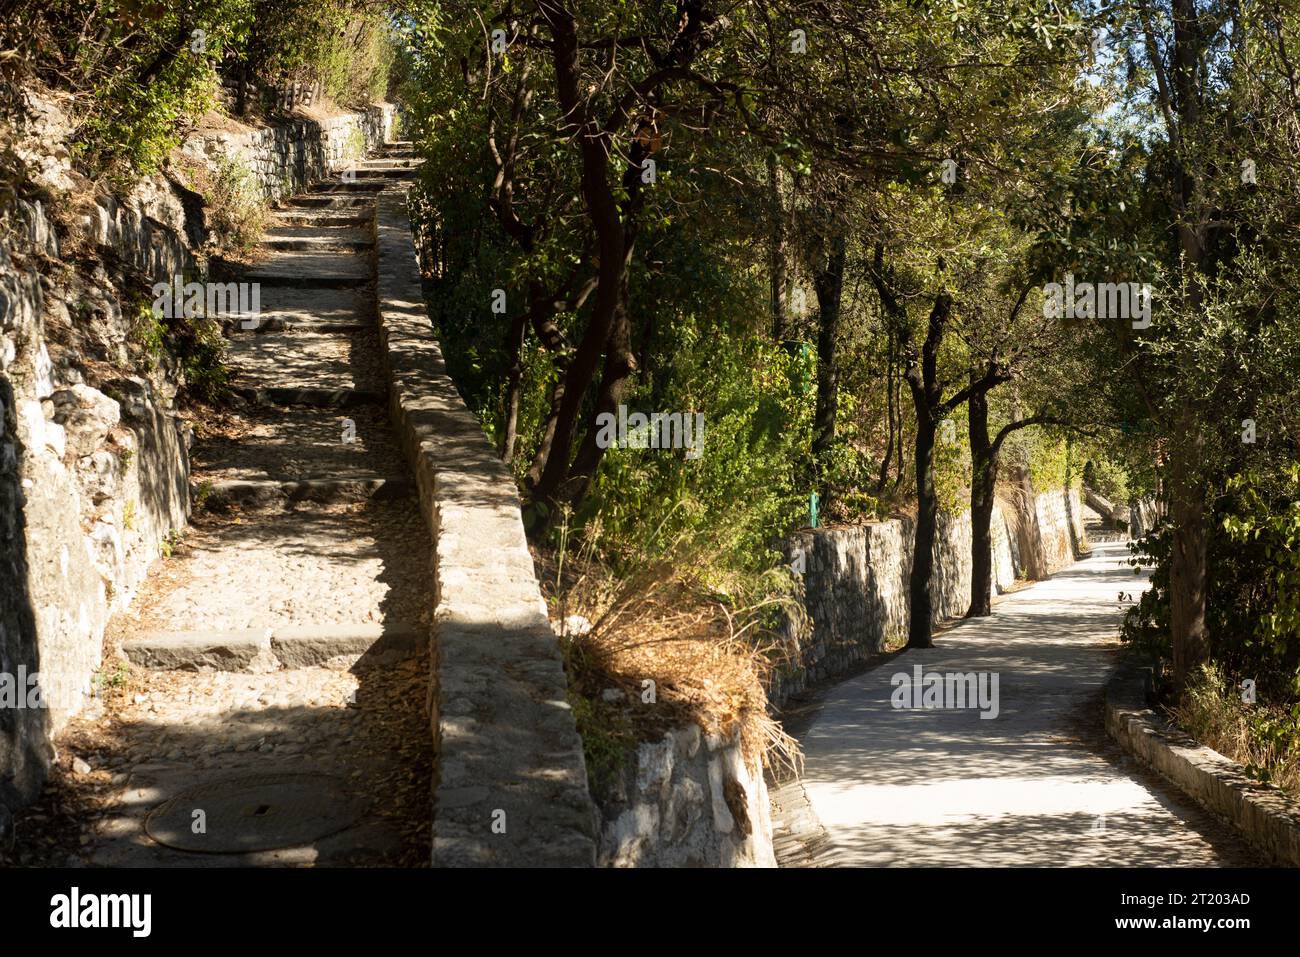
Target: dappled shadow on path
1031	784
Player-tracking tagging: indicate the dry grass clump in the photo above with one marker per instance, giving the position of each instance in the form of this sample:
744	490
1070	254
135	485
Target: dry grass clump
1263	737
664	649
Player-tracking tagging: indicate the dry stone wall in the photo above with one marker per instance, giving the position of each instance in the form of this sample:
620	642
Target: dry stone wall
689	800
93	463
856	583
288	157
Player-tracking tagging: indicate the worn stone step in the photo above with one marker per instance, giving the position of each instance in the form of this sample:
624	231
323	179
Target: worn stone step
290	445
360	185
274	323
346	203
286	307
312	270
289	646
317	238
319	398
291	368
304	244
384	173
322	217
262	493
396	162
300	563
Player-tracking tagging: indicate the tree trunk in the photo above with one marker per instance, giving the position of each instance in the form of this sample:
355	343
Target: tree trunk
514	380
919	629
984	473
889	418
779	270
1188	570
602	210
1028	534
619	366
829	283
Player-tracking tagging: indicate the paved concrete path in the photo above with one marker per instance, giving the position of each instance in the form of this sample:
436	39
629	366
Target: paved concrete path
1039	785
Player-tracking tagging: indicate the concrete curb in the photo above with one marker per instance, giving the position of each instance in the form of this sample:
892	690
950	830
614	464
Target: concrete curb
511	787
1265	816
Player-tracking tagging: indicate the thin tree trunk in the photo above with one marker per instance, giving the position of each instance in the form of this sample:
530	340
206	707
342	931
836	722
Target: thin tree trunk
984	470
514	381
778	270
1189	562
889	417
1028	534
921	606
829	283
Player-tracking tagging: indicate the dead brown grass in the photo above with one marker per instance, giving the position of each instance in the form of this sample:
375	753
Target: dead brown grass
664	650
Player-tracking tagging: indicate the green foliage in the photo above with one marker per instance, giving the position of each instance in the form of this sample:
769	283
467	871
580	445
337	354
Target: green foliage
194	345
146	72
1263	736
1263	571
1108	479
111	679
607	740
741	492
1253	609
237	208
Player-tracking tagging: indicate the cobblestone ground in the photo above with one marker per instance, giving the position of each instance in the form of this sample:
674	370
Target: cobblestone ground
1038	785
349	722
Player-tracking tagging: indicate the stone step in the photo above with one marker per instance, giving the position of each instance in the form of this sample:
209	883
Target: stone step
283	363
360	185
290	646
323	217
264	493
384	173
307	201
304	239
286	307
312	270
294	564
319	327
316	397
293	445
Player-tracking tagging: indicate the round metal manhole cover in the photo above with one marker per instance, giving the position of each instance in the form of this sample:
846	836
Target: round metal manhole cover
259	813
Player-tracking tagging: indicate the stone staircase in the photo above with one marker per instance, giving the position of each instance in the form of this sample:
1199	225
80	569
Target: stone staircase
313	428
289	629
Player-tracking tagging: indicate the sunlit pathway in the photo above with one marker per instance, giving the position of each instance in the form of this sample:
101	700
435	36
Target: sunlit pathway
1039	784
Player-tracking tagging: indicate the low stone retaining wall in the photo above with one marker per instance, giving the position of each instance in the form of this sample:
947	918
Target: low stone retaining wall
690	800
511	784
856	583
1264	815
288	157
1144	516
